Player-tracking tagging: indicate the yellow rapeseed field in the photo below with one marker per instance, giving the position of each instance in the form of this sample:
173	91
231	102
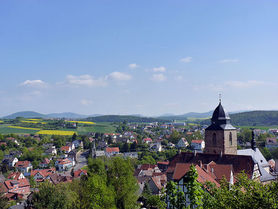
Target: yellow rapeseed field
19	127
1	121
35	122
83	122
33	119
56	132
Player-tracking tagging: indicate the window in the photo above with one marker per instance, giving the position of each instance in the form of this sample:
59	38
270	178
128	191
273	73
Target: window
214	139
231	139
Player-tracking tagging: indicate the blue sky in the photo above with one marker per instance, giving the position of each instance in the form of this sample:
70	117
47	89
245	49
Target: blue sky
137	57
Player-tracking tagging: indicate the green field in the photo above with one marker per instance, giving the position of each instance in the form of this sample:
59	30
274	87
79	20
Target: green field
258	127
101	127
6	130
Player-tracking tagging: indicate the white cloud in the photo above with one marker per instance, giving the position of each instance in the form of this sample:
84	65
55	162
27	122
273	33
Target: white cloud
244	84
159	69
186	59
85	80
159	77
34	83
118	76
133	66
228	61
86	102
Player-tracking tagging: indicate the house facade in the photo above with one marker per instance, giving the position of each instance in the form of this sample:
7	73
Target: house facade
24	166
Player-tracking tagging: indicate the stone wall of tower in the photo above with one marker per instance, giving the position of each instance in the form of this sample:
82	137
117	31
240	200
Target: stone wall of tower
210	146
228	147
222	144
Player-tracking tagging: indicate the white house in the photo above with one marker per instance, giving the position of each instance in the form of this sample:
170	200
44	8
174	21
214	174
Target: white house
198	144
182	143
156	146
23	166
64	164
111	151
77	143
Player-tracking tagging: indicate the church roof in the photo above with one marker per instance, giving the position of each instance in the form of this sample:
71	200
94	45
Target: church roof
239	162
220	119
220	114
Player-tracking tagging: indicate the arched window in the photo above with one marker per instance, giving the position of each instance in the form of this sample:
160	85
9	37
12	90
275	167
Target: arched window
214	139
231	138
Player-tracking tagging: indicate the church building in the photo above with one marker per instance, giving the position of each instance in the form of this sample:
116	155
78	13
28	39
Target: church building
220	136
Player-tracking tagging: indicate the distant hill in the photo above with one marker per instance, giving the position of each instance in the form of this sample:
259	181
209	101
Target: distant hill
25	114
253	118
186	116
127	118
32	114
65	115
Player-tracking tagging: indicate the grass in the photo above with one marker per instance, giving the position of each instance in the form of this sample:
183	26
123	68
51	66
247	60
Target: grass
6	130
103	127
258	127
20	127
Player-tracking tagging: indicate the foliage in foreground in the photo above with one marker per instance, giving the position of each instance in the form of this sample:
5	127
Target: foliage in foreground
110	184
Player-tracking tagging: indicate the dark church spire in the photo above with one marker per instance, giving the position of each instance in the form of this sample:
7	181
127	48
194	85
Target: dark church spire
253	141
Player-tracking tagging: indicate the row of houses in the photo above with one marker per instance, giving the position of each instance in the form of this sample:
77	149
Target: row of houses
17	185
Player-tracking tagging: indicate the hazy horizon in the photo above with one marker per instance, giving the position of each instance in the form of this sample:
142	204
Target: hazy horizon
145	57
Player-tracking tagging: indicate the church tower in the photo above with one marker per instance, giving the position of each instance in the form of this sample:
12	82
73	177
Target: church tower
220	136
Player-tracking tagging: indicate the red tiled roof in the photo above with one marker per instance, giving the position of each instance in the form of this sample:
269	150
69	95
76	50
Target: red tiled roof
45	161
220	171
147	166
182	168
21	183
79	172
3	143
112	149
43	172
23	164
14	175
65	148
239	162
163	163
64	161
147	139
197	141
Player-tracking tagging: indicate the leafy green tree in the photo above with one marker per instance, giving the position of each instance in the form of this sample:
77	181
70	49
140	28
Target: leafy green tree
174	137
120	176
245	193
53	197
195	191
3	201
100	195
175	197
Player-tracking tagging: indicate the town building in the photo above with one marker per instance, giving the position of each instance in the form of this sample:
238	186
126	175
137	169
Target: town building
198	145
182	143
220	136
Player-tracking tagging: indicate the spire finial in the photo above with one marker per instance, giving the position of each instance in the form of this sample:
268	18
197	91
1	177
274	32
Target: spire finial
220	98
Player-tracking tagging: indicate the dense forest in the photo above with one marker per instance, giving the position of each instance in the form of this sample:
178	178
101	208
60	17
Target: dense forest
253	118
124	118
